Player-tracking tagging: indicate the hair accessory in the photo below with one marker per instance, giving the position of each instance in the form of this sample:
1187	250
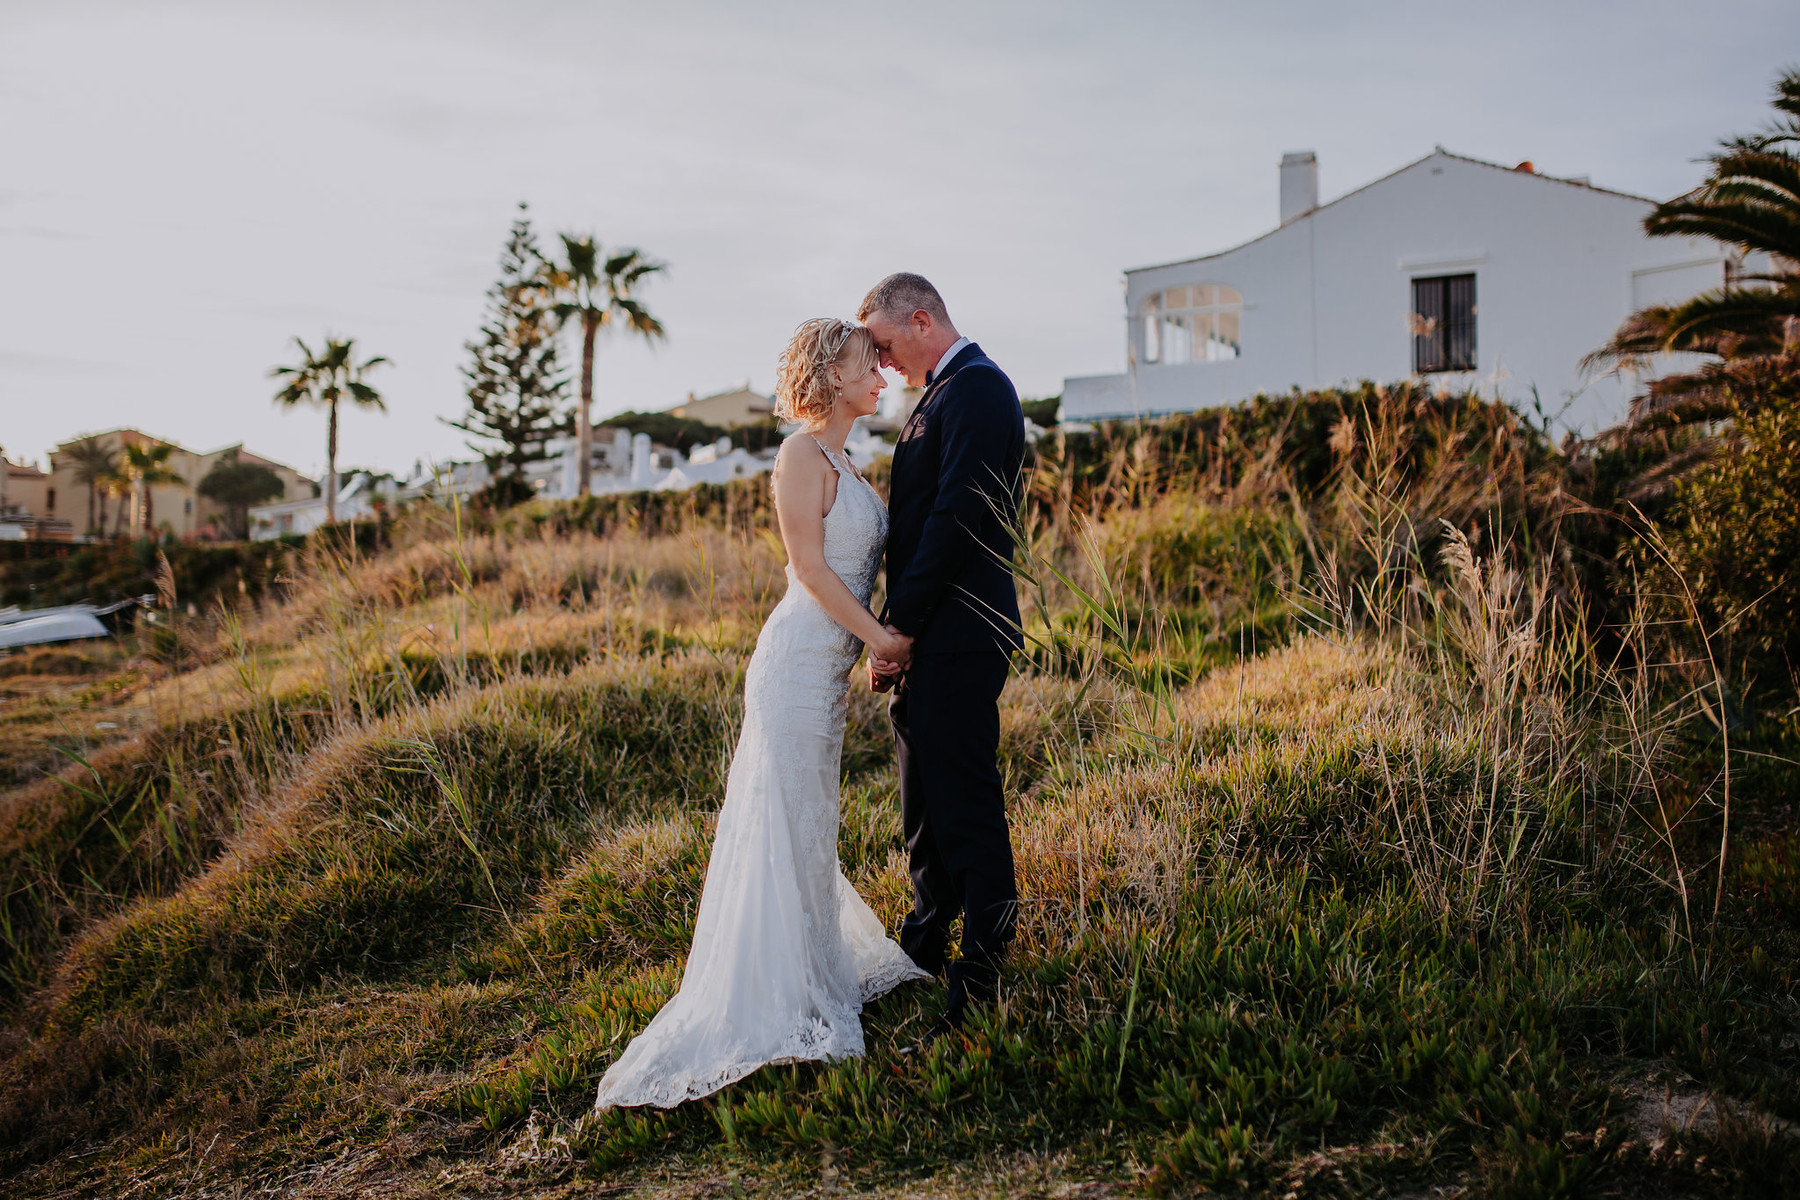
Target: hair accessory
807	371
832	345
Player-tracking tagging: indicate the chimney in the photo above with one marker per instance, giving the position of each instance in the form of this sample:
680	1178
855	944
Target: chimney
1299	184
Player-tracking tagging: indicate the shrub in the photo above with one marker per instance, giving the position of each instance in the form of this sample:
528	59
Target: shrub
1732	541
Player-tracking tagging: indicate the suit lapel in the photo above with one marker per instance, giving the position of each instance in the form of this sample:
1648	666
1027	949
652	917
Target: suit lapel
915	422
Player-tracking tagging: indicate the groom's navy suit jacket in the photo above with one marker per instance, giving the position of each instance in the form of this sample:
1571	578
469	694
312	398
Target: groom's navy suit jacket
953	499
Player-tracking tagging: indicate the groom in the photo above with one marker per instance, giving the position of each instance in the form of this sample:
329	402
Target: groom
953	494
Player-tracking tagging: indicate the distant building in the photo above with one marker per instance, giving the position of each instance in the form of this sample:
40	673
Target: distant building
176	508
628	462
360	494
727	410
622	462
26	500
1450	269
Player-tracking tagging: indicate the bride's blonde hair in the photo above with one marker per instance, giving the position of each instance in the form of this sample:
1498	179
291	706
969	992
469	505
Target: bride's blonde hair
804	388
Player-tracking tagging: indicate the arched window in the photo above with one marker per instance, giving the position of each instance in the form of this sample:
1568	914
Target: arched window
1202	323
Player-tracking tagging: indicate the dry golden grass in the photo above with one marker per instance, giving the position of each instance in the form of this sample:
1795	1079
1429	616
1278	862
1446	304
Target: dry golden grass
406	860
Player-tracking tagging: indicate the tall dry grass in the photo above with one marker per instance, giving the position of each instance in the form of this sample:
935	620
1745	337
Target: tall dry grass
1339	830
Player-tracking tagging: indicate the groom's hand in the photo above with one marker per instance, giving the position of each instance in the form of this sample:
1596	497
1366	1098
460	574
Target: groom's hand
885	673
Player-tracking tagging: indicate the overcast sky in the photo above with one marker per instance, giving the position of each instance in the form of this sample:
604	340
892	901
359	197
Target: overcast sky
185	187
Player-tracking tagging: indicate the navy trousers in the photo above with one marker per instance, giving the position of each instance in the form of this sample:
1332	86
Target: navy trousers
946	719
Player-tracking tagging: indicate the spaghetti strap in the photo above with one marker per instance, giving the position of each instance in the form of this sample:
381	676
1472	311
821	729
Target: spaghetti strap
840	461
829	456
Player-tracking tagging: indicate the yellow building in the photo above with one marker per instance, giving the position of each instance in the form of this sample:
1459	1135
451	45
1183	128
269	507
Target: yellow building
727	410
25	495
175	508
25	487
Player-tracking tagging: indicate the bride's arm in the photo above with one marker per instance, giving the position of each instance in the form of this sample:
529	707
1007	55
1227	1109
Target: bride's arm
800	482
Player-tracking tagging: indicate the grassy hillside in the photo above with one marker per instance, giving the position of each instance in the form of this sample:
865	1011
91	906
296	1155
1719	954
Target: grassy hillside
1359	858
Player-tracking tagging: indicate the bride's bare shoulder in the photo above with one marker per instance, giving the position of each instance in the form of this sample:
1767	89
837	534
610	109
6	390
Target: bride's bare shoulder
793	460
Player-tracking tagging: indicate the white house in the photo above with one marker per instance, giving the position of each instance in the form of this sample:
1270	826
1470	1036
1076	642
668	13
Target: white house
358	494
1451	269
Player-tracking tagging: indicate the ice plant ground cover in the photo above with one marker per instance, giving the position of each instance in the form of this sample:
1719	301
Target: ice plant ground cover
1357	860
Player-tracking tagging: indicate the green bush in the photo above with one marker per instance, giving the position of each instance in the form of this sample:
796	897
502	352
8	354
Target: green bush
1732	541
1043	412
40	574
743	505
1296	442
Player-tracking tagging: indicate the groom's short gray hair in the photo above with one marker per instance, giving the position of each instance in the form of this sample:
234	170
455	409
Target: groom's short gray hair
901	295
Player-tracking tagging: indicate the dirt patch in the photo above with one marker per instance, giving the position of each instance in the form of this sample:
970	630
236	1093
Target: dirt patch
1661	1099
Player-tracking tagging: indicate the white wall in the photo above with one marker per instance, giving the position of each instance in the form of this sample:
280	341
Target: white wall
1326	297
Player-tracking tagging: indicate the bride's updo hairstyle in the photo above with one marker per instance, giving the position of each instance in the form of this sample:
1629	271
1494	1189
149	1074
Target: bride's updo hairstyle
805	387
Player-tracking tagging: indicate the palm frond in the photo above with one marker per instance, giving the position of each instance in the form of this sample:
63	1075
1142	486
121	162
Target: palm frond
149	464
580	258
92	459
324	378
1771	175
1709	393
1759	228
1754	315
639	319
1787	102
1665	474
1631	346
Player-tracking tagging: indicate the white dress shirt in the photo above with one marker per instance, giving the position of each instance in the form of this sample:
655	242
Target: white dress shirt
955	349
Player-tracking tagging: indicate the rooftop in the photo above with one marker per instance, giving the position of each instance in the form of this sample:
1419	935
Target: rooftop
1524	168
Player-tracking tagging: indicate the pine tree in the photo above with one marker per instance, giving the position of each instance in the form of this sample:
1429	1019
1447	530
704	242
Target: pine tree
516	384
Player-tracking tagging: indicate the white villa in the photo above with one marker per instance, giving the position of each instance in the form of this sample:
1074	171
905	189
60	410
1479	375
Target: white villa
1453	269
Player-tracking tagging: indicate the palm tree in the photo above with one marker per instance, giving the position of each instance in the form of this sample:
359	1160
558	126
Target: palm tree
1750	334
118	486
325	379
600	292
146	466
95	464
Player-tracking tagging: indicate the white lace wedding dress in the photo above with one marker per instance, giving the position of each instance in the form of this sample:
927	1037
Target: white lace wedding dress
785	952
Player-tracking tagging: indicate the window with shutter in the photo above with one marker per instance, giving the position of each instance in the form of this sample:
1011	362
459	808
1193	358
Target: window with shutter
1443	323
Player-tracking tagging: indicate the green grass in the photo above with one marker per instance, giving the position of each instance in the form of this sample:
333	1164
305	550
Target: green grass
1224	980
1322	898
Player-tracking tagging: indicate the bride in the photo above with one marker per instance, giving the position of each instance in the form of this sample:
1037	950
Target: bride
785	952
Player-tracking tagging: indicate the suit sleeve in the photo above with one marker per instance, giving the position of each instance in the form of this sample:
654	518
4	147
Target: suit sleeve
979	425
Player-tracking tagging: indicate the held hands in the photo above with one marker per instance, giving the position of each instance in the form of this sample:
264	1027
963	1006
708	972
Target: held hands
893	651
888	660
